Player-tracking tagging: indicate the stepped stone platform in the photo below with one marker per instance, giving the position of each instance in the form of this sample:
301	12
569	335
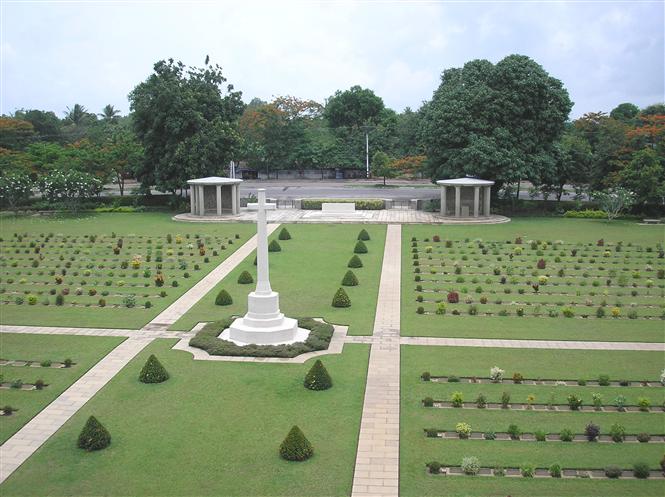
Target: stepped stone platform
392	216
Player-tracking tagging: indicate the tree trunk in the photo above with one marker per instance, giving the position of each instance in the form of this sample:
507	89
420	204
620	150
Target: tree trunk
384	181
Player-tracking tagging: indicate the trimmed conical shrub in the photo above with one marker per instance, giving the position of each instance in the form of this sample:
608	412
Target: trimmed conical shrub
350	279
245	278
360	247
341	299
363	235
94	436
295	446
223	298
284	234
153	371
274	246
317	377
355	262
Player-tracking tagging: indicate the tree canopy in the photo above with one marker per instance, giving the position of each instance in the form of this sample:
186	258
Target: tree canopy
496	121
186	122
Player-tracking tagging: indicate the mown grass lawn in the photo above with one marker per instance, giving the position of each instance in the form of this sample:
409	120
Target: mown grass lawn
142	234
84	351
581	286
416	450
214	428
307	273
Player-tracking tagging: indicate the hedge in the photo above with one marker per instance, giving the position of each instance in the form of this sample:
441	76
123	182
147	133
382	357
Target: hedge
93	436
369	204
207	339
586	214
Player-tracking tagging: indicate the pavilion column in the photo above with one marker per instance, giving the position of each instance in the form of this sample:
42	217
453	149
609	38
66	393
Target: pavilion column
476	201
192	199
487	200
458	200
234	199
218	189
443	200
200	199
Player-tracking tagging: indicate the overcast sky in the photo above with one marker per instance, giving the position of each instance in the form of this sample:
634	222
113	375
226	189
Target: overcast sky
55	54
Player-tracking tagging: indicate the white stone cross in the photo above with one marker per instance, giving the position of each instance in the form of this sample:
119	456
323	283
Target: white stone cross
262	271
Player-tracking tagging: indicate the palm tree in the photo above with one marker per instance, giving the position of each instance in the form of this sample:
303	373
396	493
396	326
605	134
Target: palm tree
76	115
109	113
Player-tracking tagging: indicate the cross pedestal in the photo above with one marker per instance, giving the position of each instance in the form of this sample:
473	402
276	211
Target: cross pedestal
263	324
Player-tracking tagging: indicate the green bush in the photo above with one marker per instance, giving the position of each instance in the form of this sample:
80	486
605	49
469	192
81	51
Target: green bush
360	247
613	471
371	204
566	435
350	279
317	378
207	339
355	262
284	234
94	436
274	246
245	278
434	467
363	235
514	432
59	299
641	470
295	446
223	298
555	470
617	433
527	470
341	299
428	402
586	214
153	371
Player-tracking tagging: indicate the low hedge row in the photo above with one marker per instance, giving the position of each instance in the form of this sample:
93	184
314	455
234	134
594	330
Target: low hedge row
586	214
207	339
370	204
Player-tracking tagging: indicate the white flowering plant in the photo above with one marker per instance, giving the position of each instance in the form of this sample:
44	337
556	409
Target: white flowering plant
496	374
15	188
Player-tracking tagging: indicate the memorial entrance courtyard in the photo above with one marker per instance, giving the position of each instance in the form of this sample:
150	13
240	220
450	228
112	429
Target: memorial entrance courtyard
525	358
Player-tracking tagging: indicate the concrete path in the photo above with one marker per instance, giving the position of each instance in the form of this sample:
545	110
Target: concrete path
29	438
176	310
377	460
533	344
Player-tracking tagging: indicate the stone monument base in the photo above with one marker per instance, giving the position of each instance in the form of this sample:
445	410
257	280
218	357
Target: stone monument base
287	334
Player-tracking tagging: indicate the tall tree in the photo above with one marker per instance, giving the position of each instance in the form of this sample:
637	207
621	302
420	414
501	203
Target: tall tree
15	134
109	113
354	107
625	112
496	121
178	107
46	124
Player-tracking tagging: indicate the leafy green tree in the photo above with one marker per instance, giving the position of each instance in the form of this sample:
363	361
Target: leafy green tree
382	165
122	155
654	109
15	134
571	164
46	124
69	187
356	106
645	176
186	123
495	121
625	112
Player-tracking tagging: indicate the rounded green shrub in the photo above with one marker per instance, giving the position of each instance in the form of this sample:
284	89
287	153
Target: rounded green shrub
363	235
295	446
94	436
350	279
355	262
245	278
274	246
341	299
223	298
153	371
284	234
317	378
360	247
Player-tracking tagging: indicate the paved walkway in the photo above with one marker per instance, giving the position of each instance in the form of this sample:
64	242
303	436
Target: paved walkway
29	438
377	460
533	344
390	216
176	310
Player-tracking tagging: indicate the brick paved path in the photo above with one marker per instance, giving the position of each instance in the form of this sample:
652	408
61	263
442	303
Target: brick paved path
377	460
532	344
29	438
176	310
